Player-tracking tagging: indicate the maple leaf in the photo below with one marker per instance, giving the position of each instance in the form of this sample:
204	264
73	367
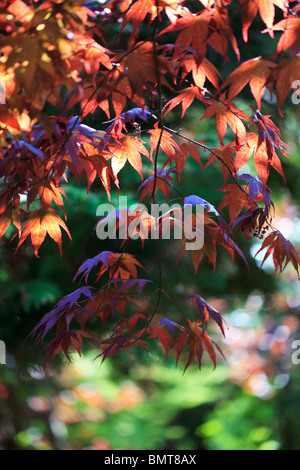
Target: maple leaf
195	30
240	196
48	191
283	252
140	223
79	136
246	150
11	195
134	224
139	10
91	263
262	146
194	200
256	72
138	68
225	157
226	113
11	215
185	97
93	94
210	26
91	53
213	234
120	340
166	142
291	34
79	147
202	70
64	312
235	199
21	144
123	341
170	324
184	150
162	182
140	283
127	148
4	223
257	192
221	32
286	73
164	337
63	341
266	10
269	133
105	302
38	224
196	340
121	265
97	165
205	310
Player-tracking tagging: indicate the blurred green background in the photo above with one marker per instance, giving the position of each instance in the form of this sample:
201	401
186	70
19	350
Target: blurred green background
140	400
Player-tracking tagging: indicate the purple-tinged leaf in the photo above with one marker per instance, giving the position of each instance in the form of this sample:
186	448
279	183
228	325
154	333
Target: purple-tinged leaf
170	324
66	307
205	310
133	282
91	263
193	200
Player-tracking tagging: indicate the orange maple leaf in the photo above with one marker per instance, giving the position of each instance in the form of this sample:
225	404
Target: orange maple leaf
185	97
194	30
139	10
127	148
181	155
202	70
256	72
138	67
226	113
166	142
12	215
38	224
48	192
287	72
225	157
262	158
291	34
121	265
266	10
235	199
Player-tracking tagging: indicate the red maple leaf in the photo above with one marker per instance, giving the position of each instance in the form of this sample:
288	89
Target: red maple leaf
196	340
283	252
